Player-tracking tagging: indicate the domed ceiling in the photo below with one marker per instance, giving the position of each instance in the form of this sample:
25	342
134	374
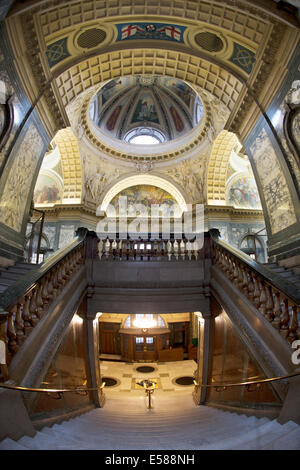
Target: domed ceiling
146	109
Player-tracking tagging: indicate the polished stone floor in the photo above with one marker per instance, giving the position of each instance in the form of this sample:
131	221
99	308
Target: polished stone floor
164	375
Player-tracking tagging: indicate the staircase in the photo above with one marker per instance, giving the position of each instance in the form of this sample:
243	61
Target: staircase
289	271
11	274
174	422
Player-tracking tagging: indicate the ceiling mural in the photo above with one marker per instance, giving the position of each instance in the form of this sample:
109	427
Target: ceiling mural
160	31
167	105
239	52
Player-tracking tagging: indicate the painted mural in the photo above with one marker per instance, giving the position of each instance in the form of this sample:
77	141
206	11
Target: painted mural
242	193
47	190
275	189
146	195
160	31
179	126
145	109
180	89
110	88
111	122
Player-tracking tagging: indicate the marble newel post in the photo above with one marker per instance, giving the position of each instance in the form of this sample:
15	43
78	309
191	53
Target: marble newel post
203	356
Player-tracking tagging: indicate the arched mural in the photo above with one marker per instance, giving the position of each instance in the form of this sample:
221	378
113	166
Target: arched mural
141	198
48	189
241	192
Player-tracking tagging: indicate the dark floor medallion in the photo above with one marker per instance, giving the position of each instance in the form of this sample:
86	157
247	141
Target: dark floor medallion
109	381
185	380
145	369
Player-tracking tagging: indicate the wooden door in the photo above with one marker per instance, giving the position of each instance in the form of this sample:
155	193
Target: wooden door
108	332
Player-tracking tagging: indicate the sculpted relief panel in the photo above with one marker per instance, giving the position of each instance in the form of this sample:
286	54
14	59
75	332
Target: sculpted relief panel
276	193
190	175
13	202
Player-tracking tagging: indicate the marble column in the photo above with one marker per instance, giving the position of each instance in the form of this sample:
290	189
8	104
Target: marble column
203	356
93	359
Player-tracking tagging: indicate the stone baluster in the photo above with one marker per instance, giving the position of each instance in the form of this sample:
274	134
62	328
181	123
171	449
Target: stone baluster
269	304
175	249
250	293
231	266
169	250
100	249
235	273
33	308
107	247
183	249
244	284
293	329
285	319
240	277
189	250
46	291
39	301
60	280
26	315
55	283
263	300
256	292
13	346
277	312
19	324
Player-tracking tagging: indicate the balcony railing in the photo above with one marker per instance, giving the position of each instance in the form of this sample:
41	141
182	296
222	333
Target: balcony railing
149	250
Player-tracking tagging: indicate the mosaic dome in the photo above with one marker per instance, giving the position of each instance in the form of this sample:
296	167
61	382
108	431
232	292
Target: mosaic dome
146	109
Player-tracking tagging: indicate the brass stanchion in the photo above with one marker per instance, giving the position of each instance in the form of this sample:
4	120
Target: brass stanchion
149	389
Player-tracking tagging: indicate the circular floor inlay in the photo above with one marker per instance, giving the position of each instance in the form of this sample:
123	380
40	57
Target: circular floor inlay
145	369
185	380
109	381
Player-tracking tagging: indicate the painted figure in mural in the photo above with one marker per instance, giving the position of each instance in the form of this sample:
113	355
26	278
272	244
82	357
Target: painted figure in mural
47	195
145	110
146	195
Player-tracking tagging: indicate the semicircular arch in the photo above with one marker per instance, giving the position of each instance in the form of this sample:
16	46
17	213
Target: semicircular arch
143	179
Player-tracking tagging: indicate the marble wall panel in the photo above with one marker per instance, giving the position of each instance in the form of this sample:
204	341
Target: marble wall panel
17	183
277	196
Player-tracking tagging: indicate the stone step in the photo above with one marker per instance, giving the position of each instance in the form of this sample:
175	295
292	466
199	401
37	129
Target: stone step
9	444
290	262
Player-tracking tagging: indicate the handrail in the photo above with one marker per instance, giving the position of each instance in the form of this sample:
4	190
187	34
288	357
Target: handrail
276	299
27	300
246	384
59	391
273	278
27	281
